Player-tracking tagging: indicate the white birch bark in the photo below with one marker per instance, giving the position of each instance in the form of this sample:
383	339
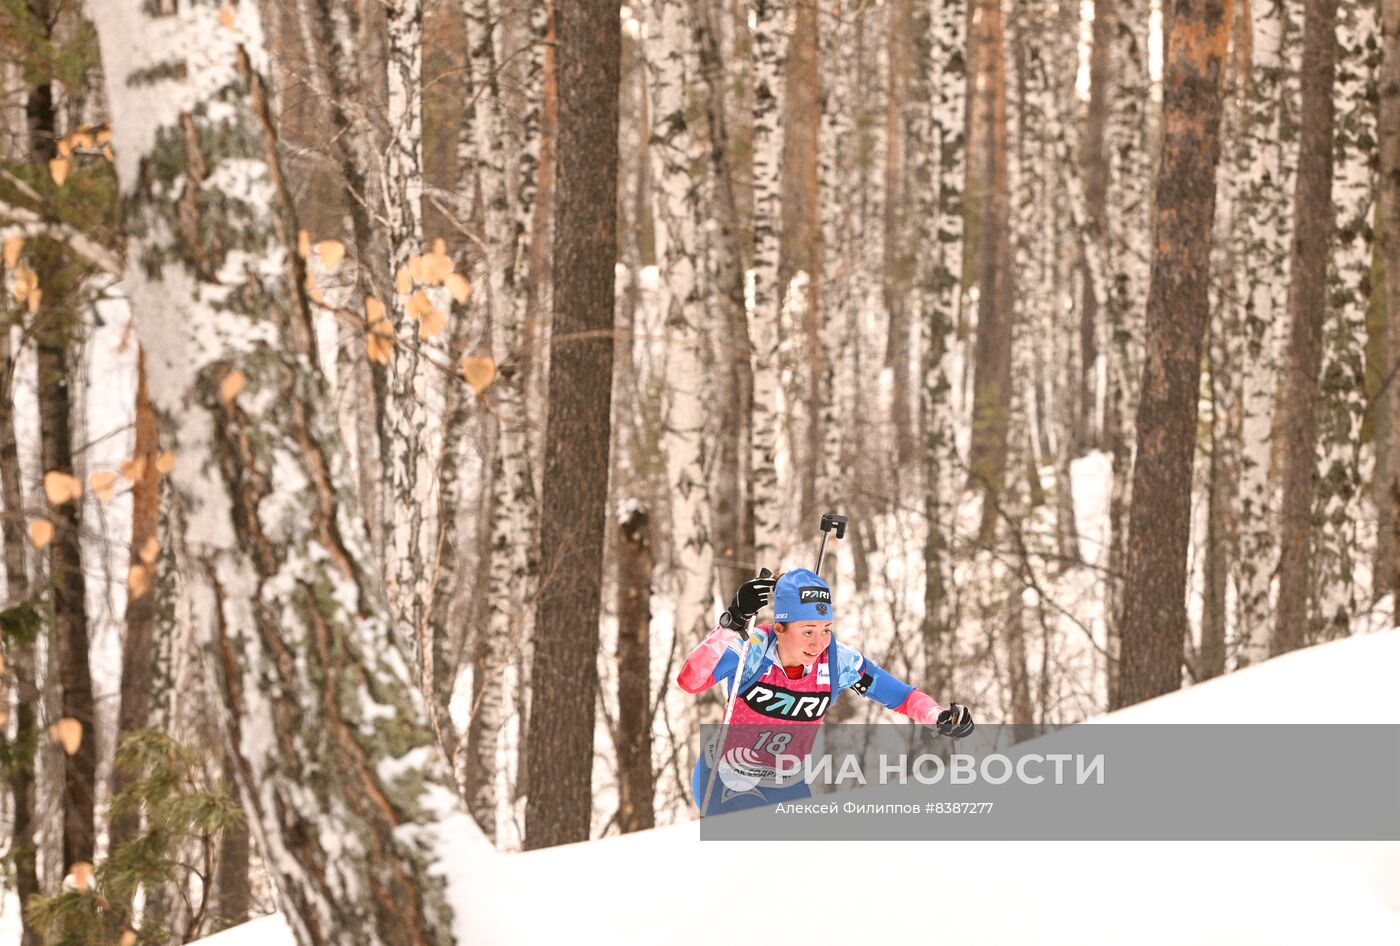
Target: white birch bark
769	57
836	144
1341	387
1128	261
937	162
672	70
506	179
281	590
1260	175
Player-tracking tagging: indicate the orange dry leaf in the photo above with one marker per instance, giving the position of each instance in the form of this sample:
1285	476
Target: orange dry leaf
60	487
65	146
69	732
107	152
440	246
226	16
13	247
420	305
102	482
165	462
436	266
478	372
25	280
403	282
133	469
331	253
459	287
379	340
58	170
149	550
81	872
104	134
81	140
128	939
431	323
138	580
418	269
232	384
33	300
303	244
40	532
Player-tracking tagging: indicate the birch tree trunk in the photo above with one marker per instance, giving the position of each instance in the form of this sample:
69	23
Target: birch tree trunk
507	191
280	592
1344	461
22	656
769	57
938	155
673	69
1154	607
1261	176
1128	247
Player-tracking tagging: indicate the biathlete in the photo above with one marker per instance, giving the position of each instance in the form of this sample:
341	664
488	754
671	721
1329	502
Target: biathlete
794	669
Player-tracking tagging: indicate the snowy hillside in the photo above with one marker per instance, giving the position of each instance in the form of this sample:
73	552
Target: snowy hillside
665	886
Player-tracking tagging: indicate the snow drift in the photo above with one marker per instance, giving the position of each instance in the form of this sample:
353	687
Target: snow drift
665	886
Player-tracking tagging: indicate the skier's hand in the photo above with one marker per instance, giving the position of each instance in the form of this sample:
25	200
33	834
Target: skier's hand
955	721
752	596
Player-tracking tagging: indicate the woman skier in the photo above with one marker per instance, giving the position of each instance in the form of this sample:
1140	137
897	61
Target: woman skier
787	685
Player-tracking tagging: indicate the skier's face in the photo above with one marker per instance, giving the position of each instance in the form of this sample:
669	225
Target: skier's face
802	642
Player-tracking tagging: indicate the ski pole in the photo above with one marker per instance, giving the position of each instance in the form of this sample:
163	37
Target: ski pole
830	521
729	706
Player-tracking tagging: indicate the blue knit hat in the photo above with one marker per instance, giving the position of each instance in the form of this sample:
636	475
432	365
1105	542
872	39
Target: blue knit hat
802	596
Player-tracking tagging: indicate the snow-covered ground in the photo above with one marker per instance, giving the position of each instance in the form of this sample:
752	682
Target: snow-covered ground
666	886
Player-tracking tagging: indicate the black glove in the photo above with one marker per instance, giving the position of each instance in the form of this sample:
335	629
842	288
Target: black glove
751	597
955	721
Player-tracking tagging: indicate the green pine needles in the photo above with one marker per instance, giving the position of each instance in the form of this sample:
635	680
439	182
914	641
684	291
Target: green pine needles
163	877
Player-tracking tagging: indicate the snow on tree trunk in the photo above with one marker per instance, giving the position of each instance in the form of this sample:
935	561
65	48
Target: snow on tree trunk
279	588
1260	175
769	57
1343	461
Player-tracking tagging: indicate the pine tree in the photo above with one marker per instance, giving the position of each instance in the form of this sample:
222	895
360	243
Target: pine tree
1153	621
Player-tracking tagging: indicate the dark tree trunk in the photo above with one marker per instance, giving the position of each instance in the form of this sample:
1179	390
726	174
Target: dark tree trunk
564	679
66	571
992	378
1154	606
801	246
53	331
1307	307
636	780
